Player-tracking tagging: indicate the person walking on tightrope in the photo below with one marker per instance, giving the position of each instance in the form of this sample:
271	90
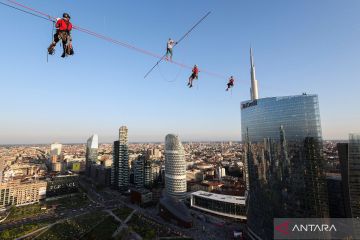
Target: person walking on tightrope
230	84
63	29
169	46
194	75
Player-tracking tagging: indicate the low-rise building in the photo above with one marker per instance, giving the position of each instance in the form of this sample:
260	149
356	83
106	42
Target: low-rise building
223	205
141	197
100	175
21	193
62	184
175	211
206	186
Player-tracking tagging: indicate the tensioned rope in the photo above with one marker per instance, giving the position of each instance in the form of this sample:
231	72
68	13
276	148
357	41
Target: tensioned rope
47	17
182	38
25	11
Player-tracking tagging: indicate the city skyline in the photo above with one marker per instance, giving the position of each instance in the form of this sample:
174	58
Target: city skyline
299	54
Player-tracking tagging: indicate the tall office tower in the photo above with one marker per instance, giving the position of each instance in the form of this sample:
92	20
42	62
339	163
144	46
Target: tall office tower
91	152
343	152
349	156
120	169
92	148
148	179
354	174
335	195
283	145
139	172
55	149
115	166
151	173
56	162
175	167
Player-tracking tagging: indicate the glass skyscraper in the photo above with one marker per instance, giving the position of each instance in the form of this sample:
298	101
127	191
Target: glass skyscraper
284	161
354	174
349	156
343	152
91	155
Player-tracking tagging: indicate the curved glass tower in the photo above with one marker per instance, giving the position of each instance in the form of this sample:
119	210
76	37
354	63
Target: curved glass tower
284	164
91	154
92	149
283	152
175	167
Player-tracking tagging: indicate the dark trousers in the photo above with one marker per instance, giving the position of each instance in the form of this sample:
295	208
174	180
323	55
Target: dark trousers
65	38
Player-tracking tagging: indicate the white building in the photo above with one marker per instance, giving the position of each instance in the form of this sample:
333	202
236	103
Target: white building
220	172
175	167
223	205
55	149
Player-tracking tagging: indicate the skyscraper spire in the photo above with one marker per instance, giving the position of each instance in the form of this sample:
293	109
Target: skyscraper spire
254	88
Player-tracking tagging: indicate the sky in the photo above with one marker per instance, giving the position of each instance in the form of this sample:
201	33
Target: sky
299	46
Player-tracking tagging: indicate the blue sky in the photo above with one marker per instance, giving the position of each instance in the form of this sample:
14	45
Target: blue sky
299	46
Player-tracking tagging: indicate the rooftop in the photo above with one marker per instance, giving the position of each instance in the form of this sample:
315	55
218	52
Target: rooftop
220	197
177	208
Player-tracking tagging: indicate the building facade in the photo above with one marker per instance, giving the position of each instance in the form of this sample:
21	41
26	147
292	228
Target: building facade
335	195
354	174
120	168
139	172
343	152
62	184
349	156
115	165
283	154
219	204
91	154
100	175
18	193
55	149
151	173
56	161
175	167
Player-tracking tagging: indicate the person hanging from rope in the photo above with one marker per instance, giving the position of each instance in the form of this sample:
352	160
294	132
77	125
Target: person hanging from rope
230	84
63	29
169	46
194	75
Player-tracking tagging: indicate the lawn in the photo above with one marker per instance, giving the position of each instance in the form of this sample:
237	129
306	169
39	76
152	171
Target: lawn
148	229
123	212
73	228
24	212
104	230
145	230
22	230
76	201
32	210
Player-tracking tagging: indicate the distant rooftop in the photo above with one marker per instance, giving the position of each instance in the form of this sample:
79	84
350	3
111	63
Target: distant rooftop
220	197
176	207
